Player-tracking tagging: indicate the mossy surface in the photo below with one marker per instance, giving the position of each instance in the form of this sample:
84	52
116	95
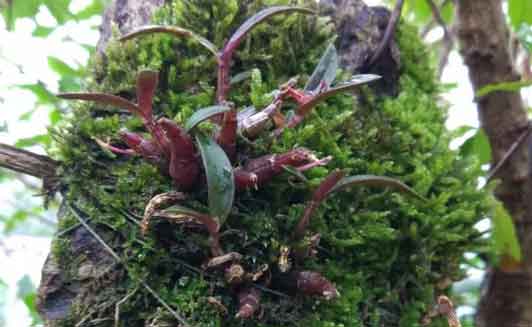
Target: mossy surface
387	253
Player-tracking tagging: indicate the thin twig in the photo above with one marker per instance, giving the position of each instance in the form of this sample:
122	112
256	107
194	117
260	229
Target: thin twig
77	213
520	140
430	25
390	31
448	39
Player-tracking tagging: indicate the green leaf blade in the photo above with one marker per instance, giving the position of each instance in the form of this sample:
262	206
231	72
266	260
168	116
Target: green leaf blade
325	70
372	180
220	178
204	114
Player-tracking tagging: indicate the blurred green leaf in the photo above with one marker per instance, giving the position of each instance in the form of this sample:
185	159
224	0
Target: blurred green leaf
477	145
504	235
27	293
42	31
62	68
59	9
19	9
520	12
55	116
204	114
505	86
39	89
25	287
42	139
220	180
11	222
95	8
524	34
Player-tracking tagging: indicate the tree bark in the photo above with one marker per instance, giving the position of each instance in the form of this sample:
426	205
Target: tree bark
506	299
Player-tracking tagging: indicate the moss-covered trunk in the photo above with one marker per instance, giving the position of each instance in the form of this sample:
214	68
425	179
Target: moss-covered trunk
388	254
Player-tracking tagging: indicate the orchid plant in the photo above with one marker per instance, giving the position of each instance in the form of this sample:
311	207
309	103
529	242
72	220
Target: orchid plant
193	159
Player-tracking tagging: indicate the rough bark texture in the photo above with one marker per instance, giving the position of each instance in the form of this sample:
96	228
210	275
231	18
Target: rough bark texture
32	164
126	15
484	39
360	29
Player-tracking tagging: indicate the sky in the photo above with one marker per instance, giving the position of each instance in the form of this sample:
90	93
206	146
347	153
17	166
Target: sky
23	60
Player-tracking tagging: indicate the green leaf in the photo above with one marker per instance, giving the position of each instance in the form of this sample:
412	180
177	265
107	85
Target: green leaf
354	83
371	180
172	30
42	139
220	179
20	9
520	12
325	71
505	87
204	114
504	234
62	68
39	89
42	31
59	9
95	8
479	146
256	19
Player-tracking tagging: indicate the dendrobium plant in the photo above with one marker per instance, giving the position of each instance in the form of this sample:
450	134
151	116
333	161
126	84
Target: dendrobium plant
187	155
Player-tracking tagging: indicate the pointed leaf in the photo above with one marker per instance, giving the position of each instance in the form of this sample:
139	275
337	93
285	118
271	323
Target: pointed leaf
204	114
325	72
503	87
256	19
172	30
345	87
102	98
504	234
317	197
372	180
146	85
220	179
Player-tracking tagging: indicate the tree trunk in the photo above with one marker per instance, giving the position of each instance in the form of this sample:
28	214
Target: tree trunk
506	298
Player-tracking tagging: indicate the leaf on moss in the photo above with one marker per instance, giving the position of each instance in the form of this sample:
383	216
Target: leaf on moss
172	30
204	114
220	179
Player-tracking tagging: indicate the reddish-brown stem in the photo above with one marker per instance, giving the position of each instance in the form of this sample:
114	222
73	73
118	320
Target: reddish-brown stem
226	138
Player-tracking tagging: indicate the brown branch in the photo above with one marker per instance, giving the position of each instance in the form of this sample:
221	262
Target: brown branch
390	31
520	140
32	164
448	39
26	162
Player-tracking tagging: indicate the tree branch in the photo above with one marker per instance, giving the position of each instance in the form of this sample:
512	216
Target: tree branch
448	39
27	162
32	164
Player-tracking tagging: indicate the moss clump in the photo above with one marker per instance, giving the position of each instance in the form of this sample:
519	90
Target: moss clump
385	252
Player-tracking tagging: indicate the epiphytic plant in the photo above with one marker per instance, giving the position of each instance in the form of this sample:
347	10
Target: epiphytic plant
187	154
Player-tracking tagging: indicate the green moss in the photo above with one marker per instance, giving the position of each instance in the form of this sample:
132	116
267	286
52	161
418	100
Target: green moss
384	251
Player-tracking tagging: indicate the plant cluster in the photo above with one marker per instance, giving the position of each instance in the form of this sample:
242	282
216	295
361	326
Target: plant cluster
189	157
249	223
